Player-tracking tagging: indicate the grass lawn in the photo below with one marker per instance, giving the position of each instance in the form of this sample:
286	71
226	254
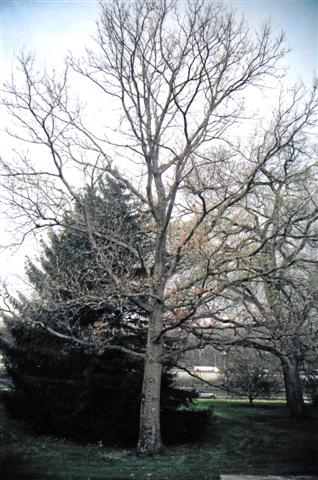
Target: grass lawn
240	439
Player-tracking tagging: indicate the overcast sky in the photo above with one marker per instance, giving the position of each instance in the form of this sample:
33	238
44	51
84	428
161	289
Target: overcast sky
52	27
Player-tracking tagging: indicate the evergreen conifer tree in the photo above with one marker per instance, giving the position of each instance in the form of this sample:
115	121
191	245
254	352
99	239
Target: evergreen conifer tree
80	389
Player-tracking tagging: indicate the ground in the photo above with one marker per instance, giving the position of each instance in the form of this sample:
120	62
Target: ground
240	439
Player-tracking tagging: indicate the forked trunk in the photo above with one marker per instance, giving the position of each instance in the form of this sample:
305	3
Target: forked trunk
293	387
149	441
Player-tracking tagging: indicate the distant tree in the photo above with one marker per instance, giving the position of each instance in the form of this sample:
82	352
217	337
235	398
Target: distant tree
250	374
310	382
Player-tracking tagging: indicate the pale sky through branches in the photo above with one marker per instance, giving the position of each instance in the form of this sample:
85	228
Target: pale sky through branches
51	28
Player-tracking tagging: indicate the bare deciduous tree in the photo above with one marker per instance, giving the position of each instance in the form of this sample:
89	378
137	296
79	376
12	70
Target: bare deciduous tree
285	300
250	374
275	308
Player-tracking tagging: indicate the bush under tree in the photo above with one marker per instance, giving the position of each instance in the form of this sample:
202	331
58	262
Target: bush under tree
71	392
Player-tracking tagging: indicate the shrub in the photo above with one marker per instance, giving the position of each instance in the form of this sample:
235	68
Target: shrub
69	392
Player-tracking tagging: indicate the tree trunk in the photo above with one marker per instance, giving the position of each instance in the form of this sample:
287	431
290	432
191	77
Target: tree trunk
293	387
149	441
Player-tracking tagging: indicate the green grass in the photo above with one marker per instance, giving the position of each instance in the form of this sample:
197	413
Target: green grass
240	439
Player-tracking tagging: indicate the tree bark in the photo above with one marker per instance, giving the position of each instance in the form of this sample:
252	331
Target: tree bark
149	441
293	387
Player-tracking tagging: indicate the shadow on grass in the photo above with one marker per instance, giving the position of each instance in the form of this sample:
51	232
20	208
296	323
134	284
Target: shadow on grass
14	467
258	440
